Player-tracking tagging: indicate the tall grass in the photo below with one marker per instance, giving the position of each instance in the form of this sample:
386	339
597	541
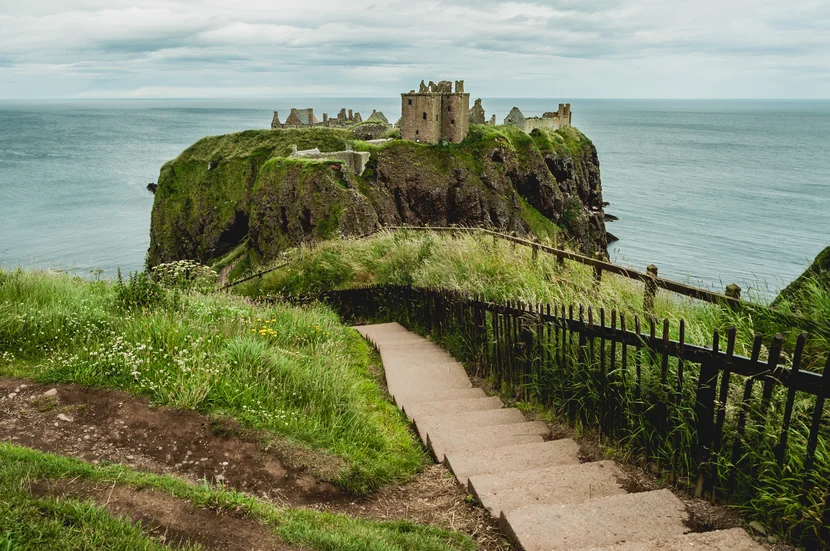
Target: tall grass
500	271
296	373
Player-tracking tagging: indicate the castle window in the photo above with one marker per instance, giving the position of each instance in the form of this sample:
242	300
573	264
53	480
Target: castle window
425	115
452	121
436	116
417	132
449	107
410	102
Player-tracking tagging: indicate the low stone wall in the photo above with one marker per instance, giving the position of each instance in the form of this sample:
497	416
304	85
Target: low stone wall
356	160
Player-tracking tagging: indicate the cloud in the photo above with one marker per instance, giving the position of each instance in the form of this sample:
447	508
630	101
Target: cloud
558	48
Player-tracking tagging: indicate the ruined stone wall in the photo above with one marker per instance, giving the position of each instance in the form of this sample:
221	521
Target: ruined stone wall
551	120
435	113
421	117
477	115
356	160
540	122
456	117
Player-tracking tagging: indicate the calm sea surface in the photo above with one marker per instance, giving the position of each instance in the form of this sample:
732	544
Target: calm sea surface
709	191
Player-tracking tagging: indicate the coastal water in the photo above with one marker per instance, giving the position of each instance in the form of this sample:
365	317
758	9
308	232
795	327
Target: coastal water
709	191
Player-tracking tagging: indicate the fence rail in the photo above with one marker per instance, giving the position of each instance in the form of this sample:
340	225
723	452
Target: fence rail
652	282
702	414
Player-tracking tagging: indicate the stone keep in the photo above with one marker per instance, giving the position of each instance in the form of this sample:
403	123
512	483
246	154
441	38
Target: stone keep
435	113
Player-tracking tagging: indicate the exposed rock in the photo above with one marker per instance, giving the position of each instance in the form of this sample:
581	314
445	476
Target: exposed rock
65	418
51	392
151	187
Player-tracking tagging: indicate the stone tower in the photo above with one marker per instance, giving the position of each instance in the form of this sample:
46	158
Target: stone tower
435	113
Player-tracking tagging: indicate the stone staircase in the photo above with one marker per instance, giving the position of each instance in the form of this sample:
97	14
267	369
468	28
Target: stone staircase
544	497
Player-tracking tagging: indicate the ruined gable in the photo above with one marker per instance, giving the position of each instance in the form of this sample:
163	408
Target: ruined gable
477	115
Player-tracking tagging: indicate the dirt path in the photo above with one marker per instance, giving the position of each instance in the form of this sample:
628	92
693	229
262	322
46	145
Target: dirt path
99	425
103	425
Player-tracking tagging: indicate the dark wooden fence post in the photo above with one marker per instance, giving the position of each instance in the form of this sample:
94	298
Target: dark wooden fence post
535	252
597	269
650	290
733	291
705	412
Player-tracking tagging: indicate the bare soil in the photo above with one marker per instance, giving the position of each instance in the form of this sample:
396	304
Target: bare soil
433	497
98	425
168	519
104	425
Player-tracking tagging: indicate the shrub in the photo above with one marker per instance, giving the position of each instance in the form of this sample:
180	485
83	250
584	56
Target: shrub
139	292
185	275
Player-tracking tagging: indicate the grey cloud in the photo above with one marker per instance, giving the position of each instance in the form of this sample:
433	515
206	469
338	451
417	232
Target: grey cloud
378	48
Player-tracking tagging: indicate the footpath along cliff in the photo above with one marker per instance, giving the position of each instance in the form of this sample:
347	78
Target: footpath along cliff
225	189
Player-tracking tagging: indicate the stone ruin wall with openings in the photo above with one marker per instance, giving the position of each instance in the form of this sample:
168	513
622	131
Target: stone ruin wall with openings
435	113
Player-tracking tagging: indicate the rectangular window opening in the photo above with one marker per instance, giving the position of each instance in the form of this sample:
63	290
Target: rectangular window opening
425	115
410	102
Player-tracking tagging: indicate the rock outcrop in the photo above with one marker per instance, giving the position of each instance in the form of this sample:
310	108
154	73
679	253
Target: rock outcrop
546	184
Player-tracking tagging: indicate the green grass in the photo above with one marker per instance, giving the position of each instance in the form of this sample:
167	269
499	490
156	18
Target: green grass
295	373
28	522
501	272
495	269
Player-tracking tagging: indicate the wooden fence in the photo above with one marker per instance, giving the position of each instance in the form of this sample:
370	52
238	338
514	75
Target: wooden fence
651	282
703	415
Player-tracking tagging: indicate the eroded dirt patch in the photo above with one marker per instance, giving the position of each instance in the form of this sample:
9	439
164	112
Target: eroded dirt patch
99	425
168	519
433	497
103	425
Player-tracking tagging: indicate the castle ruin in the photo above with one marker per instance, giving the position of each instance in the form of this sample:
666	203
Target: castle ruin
435	113
551	120
304	118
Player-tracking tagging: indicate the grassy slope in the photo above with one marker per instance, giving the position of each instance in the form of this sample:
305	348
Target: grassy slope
296	373
28	522
769	493
500	272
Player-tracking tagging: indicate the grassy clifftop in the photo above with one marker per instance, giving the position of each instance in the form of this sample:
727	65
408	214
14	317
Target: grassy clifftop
225	189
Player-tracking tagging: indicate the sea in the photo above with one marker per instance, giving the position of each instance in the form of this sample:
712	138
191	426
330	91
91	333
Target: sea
710	191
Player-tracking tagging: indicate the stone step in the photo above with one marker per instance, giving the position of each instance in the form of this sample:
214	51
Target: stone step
425	385
419	359
734	539
385	330
438	379
404	399
521	457
465	440
439	407
548	486
471	419
601	522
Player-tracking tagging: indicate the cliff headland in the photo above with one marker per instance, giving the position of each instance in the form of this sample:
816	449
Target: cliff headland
258	187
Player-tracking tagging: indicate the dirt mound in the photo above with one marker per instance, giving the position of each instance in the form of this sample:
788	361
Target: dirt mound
103	425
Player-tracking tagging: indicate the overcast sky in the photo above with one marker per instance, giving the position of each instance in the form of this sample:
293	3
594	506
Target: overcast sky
558	48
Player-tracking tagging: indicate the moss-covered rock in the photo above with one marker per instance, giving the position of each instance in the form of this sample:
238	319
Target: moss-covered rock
224	188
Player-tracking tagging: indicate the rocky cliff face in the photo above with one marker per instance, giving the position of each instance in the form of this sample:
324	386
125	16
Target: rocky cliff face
225	188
